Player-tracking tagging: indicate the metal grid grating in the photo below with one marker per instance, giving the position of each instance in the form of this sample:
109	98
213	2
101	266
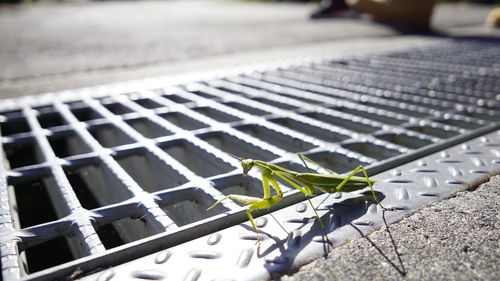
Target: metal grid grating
91	176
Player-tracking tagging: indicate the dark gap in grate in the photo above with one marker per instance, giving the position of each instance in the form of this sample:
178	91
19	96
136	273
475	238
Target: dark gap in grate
402	109
483	116
109	136
241	185
68	145
216	114
12	114
147	128
371	116
109	236
204	94
233	145
85	114
336	162
150	173
76	178
148	103
96	186
306	100
275	103
117	108
372	150
34	205
405	140
294	166
348	124
14	126
316	132
283	141
23	154
38	257
247	109
176	98
460	123
190	210
197	160
183	121
127	230
433	131
50	120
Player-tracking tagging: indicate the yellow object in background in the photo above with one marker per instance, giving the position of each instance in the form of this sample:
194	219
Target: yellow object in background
493	18
414	13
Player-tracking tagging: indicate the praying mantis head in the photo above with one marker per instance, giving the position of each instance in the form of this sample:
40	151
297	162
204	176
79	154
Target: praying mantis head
247	165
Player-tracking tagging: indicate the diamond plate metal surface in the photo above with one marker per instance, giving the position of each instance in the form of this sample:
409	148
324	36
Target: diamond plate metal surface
107	175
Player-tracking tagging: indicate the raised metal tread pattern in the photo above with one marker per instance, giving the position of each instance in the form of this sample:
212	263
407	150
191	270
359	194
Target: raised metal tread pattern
104	176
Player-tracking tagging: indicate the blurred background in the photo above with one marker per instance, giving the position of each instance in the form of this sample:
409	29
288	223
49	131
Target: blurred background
56	45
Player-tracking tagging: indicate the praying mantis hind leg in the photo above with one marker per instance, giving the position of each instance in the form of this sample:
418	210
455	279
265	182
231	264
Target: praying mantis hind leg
348	177
303	158
308	192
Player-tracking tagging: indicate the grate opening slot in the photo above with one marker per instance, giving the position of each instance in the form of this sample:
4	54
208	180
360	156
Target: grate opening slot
37	258
68	145
347	124
183	121
149	172
190	207
405	140
14	126
147	128
23	154
109	236
109	136
335	162
247	109
433	131
49	120
459	123
85	114
491	116
238	147
176	98
95	185
402	109
148	103
276	138
33	201
204	94
274	103
217	115
372	150
117	108
372	116
238	184
197	160
311	130
126	229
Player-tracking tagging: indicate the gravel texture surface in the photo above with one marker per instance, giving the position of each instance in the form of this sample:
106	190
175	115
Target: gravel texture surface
453	239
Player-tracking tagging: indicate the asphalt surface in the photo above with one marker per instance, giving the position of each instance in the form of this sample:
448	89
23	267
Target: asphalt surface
58	46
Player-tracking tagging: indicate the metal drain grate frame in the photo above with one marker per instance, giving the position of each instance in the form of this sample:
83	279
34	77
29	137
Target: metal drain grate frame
292	237
160	151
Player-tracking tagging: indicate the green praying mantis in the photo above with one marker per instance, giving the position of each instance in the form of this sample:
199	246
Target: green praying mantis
309	184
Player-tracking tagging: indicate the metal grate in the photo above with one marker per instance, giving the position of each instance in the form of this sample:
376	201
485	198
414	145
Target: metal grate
108	177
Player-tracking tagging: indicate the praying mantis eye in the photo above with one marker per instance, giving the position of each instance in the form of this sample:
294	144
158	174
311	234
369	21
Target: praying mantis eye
247	165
